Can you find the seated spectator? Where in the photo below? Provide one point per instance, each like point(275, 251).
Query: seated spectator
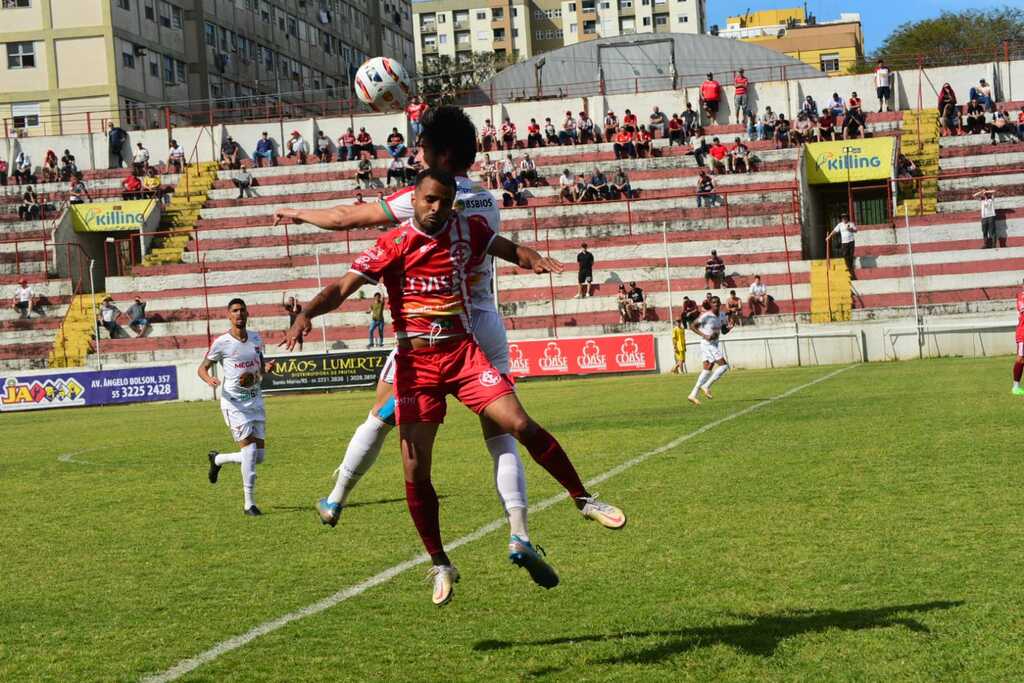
point(108, 315)
point(359, 198)
point(77, 189)
point(533, 136)
point(230, 154)
point(624, 144)
point(396, 171)
point(30, 206)
point(587, 129)
point(706, 190)
point(638, 301)
point(620, 185)
point(853, 124)
point(176, 157)
point(690, 311)
point(488, 136)
point(611, 125)
point(906, 168)
point(152, 188)
point(781, 131)
point(508, 166)
point(802, 130)
point(323, 147)
point(809, 108)
point(25, 299)
point(826, 126)
point(675, 131)
point(714, 271)
point(946, 96)
point(140, 160)
point(510, 193)
point(50, 170)
point(757, 299)
point(3, 172)
point(1020, 125)
point(579, 189)
point(528, 172)
point(413, 166)
point(568, 134)
point(983, 93)
point(364, 173)
point(739, 158)
point(950, 119)
point(837, 105)
point(657, 123)
point(974, 121)
point(718, 152)
point(691, 124)
point(629, 121)
point(626, 307)
point(347, 150)
point(131, 187)
point(566, 186)
point(68, 167)
point(396, 144)
point(1002, 126)
point(297, 147)
point(137, 317)
point(265, 151)
point(854, 105)
point(643, 142)
point(509, 134)
point(489, 173)
point(550, 134)
point(597, 186)
point(23, 169)
point(766, 127)
point(364, 144)
point(734, 308)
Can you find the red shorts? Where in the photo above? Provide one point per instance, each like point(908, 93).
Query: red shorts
point(424, 377)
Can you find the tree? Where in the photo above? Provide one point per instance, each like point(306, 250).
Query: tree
point(443, 77)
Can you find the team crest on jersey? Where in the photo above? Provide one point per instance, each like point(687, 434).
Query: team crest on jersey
point(518, 362)
point(630, 355)
point(553, 360)
point(489, 378)
point(591, 358)
point(461, 252)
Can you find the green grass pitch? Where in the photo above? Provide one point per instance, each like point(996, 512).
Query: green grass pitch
point(865, 528)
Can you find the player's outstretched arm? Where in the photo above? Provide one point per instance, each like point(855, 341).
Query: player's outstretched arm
point(328, 299)
point(343, 217)
point(524, 257)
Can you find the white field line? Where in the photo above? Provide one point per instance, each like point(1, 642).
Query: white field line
point(70, 457)
point(191, 664)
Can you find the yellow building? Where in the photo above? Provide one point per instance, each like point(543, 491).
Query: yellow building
point(834, 47)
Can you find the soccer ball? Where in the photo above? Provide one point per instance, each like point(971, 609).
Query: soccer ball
point(382, 84)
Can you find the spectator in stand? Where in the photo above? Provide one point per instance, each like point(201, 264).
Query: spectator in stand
point(292, 306)
point(734, 308)
point(624, 146)
point(323, 147)
point(757, 297)
point(629, 121)
point(620, 185)
point(243, 181)
point(718, 154)
point(68, 167)
point(297, 147)
point(585, 278)
point(76, 189)
point(347, 150)
point(766, 127)
point(739, 158)
point(679, 343)
point(611, 125)
point(508, 134)
point(364, 144)
point(3, 172)
point(706, 190)
point(906, 168)
point(396, 170)
point(533, 136)
point(176, 157)
point(781, 131)
point(580, 189)
point(414, 111)
point(528, 172)
point(116, 139)
point(587, 130)
point(643, 142)
point(690, 310)
point(30, 207)
point(847, 232)
point(802, 130)
point(488, 136)
point(230, 154)
point(714, 271)
point(566, 186)
point(883, 86)
point(23, 169)
point(364, 173)
point(597, 187)
point(699, 151)
point(413, 166)
point(510, 193)
point(854, 124)
point(675, 131)
point(825, 129)
point(50, 170)
point(741, 83)
point(1020, 124)
point(946, 96)
point(377, 319)
point(854, 105)
point(489, 173)
point(108, 315)
point(140, 160)
point(691, 125)
point(809, 108)
point(626, 307)
point(550, 134)
point(137, 317)
point(949, 116)
point(151, 187)
point(396, 144)
point(983, 93)
point(1002, 126)
point(988, 217)
point(25, 299)
point(658, 123)
point(710, 97)
point(974, 121)
point(265, 151)
point(508, 166)
point(638, 301)
point(568, 135)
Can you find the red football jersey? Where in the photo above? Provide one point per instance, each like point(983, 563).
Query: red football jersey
point(427, 276)
point(1020, 314)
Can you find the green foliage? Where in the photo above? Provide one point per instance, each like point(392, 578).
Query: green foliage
point(953, 38)
point(442, 78)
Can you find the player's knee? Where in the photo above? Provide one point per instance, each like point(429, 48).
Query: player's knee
point(522, 427)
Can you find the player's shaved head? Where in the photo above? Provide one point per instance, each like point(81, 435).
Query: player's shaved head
point(448, 139)
point(432, 199)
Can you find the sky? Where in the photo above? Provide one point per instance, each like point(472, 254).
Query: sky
point(878, 17)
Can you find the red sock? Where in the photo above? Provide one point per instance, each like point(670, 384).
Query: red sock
point(547, 453)
point(424, 507)
point(1018, 369)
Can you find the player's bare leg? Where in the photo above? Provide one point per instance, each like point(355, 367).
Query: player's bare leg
point(251, 453)
point(1018, 371)
point(508, 414)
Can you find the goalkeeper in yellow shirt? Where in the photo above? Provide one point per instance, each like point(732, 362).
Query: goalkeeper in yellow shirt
point(679, 345)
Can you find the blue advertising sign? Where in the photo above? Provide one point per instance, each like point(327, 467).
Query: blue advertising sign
point(65, 389)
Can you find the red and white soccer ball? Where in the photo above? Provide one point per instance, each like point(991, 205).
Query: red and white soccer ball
point(383, 84)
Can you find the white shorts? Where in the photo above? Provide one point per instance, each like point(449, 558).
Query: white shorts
point(489, 332)
point(243, 426)
point(387, 375)
point(710, 351)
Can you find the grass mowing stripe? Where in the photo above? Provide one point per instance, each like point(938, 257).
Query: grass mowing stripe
point(188, 665)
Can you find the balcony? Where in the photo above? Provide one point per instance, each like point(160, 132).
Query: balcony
point(428, 27)
point(430, 49)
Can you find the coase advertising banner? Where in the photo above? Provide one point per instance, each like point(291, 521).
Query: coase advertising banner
point(88, 388)
point(850, 160)
point(582, 355)
point(325, 371)
point(111, 216)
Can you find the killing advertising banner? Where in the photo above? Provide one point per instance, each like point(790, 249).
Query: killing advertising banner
point(582, 355)
point(88, 388)
point(850, 160)
point(325, 371)
point(111, 216)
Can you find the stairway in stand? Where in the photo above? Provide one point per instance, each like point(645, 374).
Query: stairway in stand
point(179, 217)
point(920, 144)
point(75, 335)
point(831, 297)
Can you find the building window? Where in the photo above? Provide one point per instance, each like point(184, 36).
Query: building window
point(515, 33)
point(441, 19)
point(660, 19)
point(830, 62)
point(572, 7)
point(211, 35)
point(625, 4)
point(645, 3)
point(21, 55)
point(125, 4)
point(482, 35)
point(442, 39)
point(25, 114)
point(497, 13)
point(168, 70)
point(589, 27)
point(14, 4)
point(499, 34)
point(515, 11)
point(627, 25)
point(573, 28)
point(481, 16)
point(128, 59)
point(154, 69)
point(179, 68)
point(148, 11)
point(682, 19)
point(606, 5)
point(647, 21)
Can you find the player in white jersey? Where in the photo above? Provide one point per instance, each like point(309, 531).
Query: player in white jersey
point(709, 326)
point(240, 354)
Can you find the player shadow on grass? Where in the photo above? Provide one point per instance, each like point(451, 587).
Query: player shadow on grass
point(307, 508)
point(759, 636)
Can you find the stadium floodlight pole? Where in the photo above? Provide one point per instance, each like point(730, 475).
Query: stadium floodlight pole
point(92, 291)
point(319, 286)
point(913, 283)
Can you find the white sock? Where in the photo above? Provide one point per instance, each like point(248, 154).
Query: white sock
point(701, 378)
point(517, 523)
point(225, 458)
point(362, 451)
point(1016, 385)
point(249, 474)
point(510, 481)
point(717, 374)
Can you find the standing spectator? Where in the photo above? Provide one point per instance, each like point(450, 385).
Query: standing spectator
point(297, 147)
point(23, 169)
point(714, 271)
point(50, 169)
point(847, 231)
point(974, 120)
point(620, 185)
point(675, 131)
point(988, 217)
point(611, 124)
point(30, 207)
point(690, 123)
point(741, 83)
point(629, 121)
point(323, 147)
point(76, 189)
point(699, 151)
point(837, 105)
point(489, 172)
point(24, 299)
point(766, 127)
point(396, 170)
point(364, 144)
point(739, 158)
point(643, 142)
point(3, 172)
point(658, 123)
point(377, 319)
point(488, 136)
point(533, 136)
point(639, 303)
point(528, 171)
point(568, 135)
point(396, 144)
point(883, 86)
point(265, 151)
point(550, 134)
point(983, 93)
point(718, 153)
point(229, 154)
point(140, 160)
point(510, 193)
point(347, 150)
point(710, 97)
point(757, 297)
point(176, 157)
point(597, 188)
point(624, 144)
point(131, 187)
point(364, 173)
point(108, 315)
point(734, 308)
point(567, 186)
point(243, 181)
point(116, 139)
point(585, 278)
point(292, 306)
point(679, 344)
point(137, 317)
point(414, 112)
point(587, 129)
point(826, 126)
point(68, 167)
point(508, 134)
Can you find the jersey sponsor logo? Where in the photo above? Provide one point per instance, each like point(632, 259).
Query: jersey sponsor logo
point(630, 355)
point(476, 203)
point(518, 362)
point(591, 358)
point(490, 378)
point(430, 284)
point(553, 359)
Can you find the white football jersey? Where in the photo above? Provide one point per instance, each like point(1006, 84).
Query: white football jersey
point(471, 199)
point(711, 324)
point(240, 384)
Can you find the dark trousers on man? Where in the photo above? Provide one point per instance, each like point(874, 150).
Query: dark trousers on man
point(988, 231)
point(848, 255)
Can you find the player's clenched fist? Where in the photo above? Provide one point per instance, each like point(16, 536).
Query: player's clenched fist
point(286, 216)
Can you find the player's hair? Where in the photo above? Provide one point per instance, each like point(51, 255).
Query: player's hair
point(443, 177)
point(234, 301)
point(449, 129)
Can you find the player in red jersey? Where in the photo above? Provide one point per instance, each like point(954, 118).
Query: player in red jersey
point(426, 264)
point(1018, 366)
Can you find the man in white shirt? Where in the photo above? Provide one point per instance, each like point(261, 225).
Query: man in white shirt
point(883, 86)
point(140, 160)
point(240, 353)
point(988, 217)
point(24, 299)
point(709, 326)
point(566, 186)
point(847, 231)
point(757, 296)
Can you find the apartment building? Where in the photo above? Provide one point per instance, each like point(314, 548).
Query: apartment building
point(120, 58)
